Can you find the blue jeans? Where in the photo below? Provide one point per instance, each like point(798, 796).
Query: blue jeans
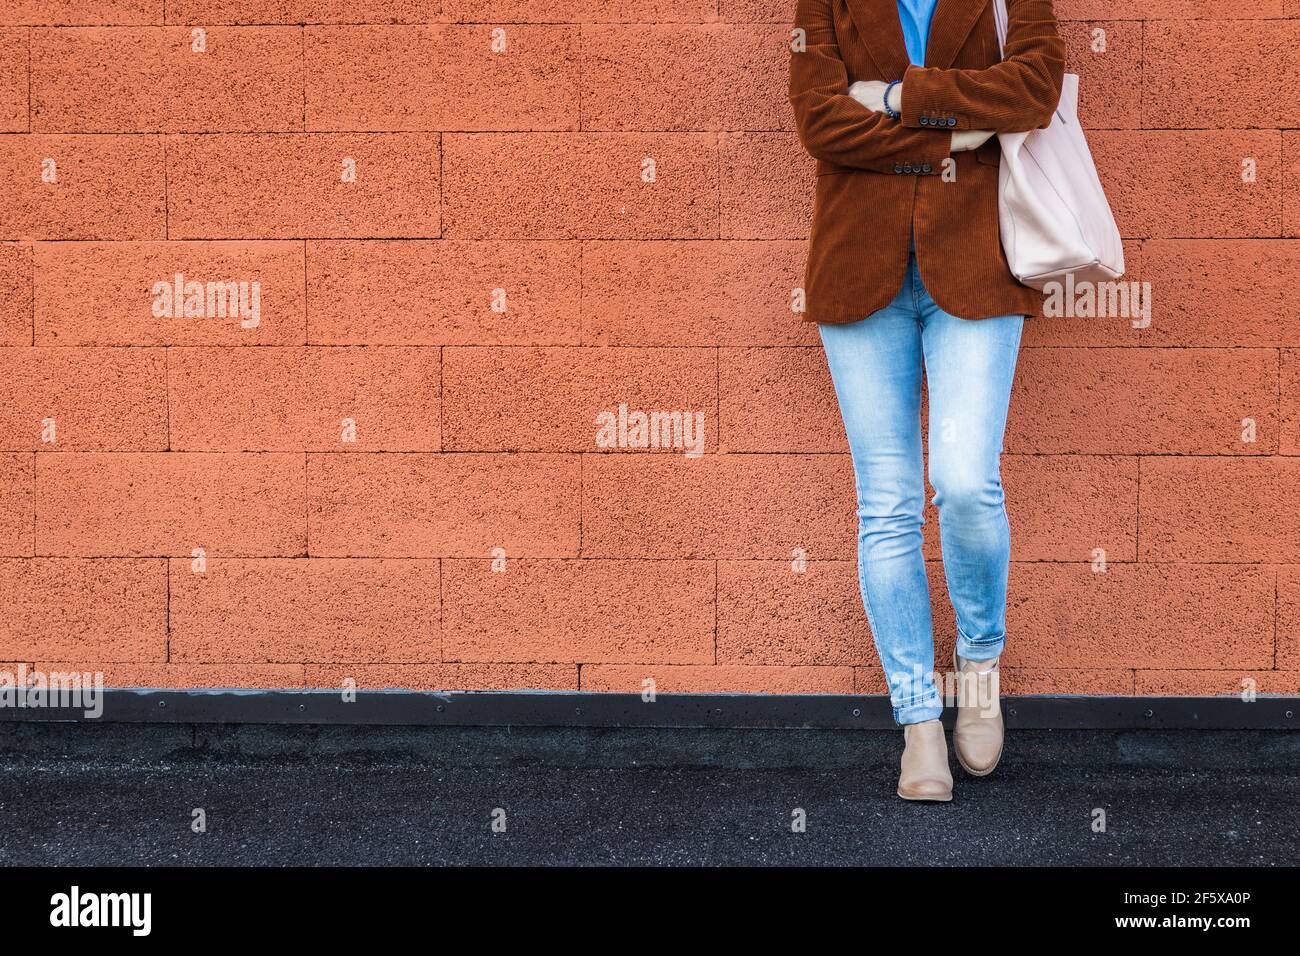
point(969, 364)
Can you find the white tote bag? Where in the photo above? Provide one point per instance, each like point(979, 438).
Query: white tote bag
point(1052, 211)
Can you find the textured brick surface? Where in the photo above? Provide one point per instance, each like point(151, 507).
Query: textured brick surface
point(112, 293)
point(1217, 509)
point(654, 77)
point(304, 399)
point(561, 208)
point(308, 610)
point(1149, 176)
point(766, 187)
point(169, 504)
point(443, 505)
point(153, 79)
point(722, 678)
point(15, 293)
point(83, 399)
point(1288, 617)
point(301, 11)
point(1153, 401)
point(722, 506)
point(82, 11)
point(17, 504)
point(446, 292)
point(546, 611)
point(549, 399)
point(186, 676)
point(84, 610)
point(442, 78)
point(296, 185)
point(581, 186)
point(1187, 59)
point(82, 187)
point(13, 81)
point(1107, 57)
point(444, 676)
point(693, 293)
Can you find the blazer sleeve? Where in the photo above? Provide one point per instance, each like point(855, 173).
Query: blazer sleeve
point(833, 126)
point(1014, 96)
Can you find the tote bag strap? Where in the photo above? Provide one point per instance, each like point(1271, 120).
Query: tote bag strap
point(1000, 18)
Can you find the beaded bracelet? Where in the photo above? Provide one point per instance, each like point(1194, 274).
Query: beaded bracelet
point(893, 114)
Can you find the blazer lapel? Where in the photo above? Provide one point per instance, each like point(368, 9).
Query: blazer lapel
point(952, 24)
point(878, 25)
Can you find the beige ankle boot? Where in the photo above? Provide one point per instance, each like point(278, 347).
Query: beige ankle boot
point(979, 732)
point(925, 774)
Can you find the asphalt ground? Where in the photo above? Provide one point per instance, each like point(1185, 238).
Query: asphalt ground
point(127, 795)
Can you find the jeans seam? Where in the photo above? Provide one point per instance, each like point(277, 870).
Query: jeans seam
point(920, 699)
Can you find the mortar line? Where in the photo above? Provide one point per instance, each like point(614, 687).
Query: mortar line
point(167, 199)
point(1137, 519)
point(31, 288)
point(1277, 573)
point(306, 306)
point(34, 500)
point(302, 52)
point(306, 504)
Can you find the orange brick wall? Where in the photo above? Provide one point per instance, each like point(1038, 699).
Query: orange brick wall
point(519, 173)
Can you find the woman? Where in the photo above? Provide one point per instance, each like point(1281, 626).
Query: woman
point(899, 101)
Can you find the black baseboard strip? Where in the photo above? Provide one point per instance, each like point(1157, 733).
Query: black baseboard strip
point(589, 709)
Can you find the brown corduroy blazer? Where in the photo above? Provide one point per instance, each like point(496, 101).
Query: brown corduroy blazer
point(881, 181)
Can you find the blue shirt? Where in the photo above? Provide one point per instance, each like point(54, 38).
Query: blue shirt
point(915, 16)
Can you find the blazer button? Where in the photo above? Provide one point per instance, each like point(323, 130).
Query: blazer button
point(925, 121)
point(897, 168)
point(952, 121)
point(925, 168)
point(907, 167)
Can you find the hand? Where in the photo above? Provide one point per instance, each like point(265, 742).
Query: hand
point(964, 140)
point(871, 94)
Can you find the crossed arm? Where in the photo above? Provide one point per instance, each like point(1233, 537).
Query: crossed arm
point(847, 125)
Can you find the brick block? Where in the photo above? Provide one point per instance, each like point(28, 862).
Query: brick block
point(124, 293)
point(442, 77)
point(699, 77)
point(304, 399)
point(1148, 177)
point(687, 292)
point(82, 187)
point(54, 399)
point(83, 610)
point(769, 613)
point(305, 610)
point(718, 506)
point(295, 185)
point(17, 504)
point(444, 292)
point(1220, 509)
point(421, 505)
point(168, 504)
point(655, 612)
point(576, 399)
point(153, 79)
point(582, 185)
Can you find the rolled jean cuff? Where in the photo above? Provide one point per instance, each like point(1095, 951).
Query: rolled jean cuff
point(969, 650)
point(919, 709)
